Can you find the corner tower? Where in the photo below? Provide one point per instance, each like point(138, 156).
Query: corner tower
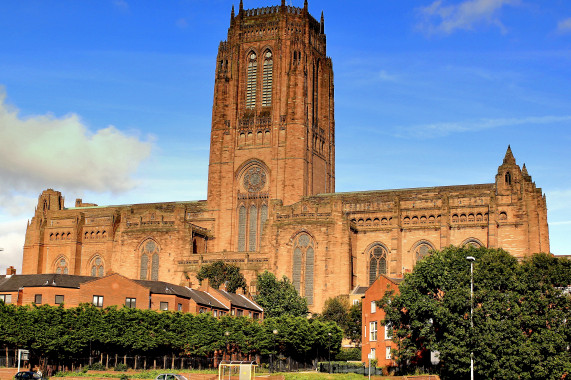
point(273, 128)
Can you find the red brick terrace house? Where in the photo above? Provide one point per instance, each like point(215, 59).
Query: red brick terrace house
point(376, 338)
point(115, 289)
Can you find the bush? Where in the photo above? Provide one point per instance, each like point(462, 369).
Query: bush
point(124, 376)
point(120, 367)
point(349, 354)
point(96, 367)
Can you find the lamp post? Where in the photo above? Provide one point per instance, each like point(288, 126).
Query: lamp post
point(329, 349)
point(471, 259)
point(227, 334)
point(274, 334)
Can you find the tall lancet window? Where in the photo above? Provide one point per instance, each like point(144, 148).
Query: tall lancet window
point(149, 249)
point(377, 262)
point(303, 266)
point(242, 229)
point(251, 80)
point(267, 77)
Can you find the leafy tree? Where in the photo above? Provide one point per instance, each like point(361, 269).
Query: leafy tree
point(279, 298)
point(347, 317)
point(336, 310)
point(219, 273)
point(354, 323)
point(520, 316)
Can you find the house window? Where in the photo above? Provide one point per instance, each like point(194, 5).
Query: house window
point(131, 303)
point(388, 331)
point(373, 353)
point(373, 331)
point(373, 307)
point(215, 313)
point(6, 298)
point(256, 316)
point(59, 300)
point(355, 302)
point(38, 299)
point(98, 301)
point(388, 353)
point(179, 307)
point(164, 306)
point(240, 312)
point(377, 262)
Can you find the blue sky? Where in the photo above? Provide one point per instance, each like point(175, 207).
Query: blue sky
point(110, 100)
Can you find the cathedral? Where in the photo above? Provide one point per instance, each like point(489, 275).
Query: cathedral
point(271, 201)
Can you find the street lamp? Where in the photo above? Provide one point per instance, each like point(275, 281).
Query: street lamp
point(471, 259)
point(275, 333)
point(329, 348)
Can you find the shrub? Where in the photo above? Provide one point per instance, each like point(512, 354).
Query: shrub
point(120, 367)
point(349, 354)
point(96, 367)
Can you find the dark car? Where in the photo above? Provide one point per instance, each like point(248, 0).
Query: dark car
point(170, 376)
point(27, 375)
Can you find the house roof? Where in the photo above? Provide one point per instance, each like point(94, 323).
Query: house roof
point(203, 298)
point(17, 281)
point(241, 301)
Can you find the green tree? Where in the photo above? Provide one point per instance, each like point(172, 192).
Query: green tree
point(354, 323)
point(279, 298)
point(520, 317)
point(219, 273)
point(348, 317)
point(336, 310)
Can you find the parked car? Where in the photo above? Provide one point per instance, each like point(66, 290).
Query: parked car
point(27, 375)
point(170, 376)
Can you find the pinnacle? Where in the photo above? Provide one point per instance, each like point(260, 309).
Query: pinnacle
point(524, 170)
point(509, 157)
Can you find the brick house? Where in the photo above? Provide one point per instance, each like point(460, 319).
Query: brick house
point(376, 338)
point(118, 290)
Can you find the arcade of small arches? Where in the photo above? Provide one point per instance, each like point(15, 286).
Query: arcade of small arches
point(60, 236)
point(95, 234)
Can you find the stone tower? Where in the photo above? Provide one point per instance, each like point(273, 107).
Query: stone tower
point(273, 126)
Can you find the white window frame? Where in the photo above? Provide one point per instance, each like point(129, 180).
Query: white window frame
point(388, 331)
point(373, 307)
point(373, 331)
point(388, 353)
point(98, 301)
point(373, 353)
point(7, 298)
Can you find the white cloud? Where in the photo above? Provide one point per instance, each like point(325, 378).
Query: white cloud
point(44, 151)
point(12, 241)
point(564, 26)
point(425, 131)
point(439, 18)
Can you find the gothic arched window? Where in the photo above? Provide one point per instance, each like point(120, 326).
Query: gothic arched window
point(149, 249)
point(97, 268)
point(242, 229)
point(303, 266)
point(253, 228)
point(61, 266)
point(251, 80)
point(508, 178)
point(422, 249)
point(377, 262)
point(267, 77)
